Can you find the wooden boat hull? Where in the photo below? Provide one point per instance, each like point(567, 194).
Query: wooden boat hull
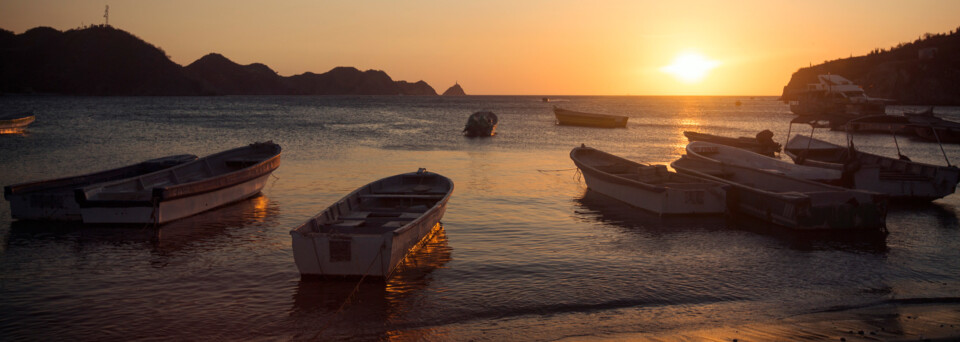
point(334, 244)
point(181, 191)
point(789, 202)
point(945, 135)
point(572, 118)
point(677, 195)
point(900, 179)
point(745, 143)
point(481, 124)
point(54, 199)
point(175, 209)
point(735, 156)
point(14, 123)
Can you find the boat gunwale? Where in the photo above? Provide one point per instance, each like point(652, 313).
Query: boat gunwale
point(190, 189)
point(583, 166)
point(356, 194)
point(91, 178)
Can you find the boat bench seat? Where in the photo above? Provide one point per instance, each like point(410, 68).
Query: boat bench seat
point(241, 162)
point(402, 196)
point(123, 196)
point(348, 224)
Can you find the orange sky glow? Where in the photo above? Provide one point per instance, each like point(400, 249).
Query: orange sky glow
point(516, 47)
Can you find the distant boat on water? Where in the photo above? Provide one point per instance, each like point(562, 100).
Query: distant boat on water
point(649, 187)
point(54, 199)
point(181, 191)
point(481, 124)
point(14, 122)
point(573, 118)
point(371, 230)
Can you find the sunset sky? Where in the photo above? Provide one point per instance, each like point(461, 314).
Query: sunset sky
point(518, 47)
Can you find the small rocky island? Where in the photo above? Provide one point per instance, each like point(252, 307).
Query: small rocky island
point(923, 72)
point(455, 90)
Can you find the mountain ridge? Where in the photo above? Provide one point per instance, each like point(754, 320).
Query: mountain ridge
point(102, 60)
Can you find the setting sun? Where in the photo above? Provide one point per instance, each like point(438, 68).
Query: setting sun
point(690, 67)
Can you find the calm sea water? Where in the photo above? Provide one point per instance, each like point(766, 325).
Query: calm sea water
point(527, 253)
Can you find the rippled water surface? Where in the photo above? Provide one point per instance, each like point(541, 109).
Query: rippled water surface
point(526, 252)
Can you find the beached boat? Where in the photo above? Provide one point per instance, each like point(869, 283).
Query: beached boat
point(11, 122)
point(790, 202)
point(649, 187)
point(762, 144)
point(899, 178)
point(371, 230)
point(54, 199)
point(930, 127)
point(572, 118)
point(183, 190)
point(735, 156)
point(481, 124)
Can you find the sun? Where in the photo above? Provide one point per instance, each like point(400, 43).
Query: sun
point(690, 67)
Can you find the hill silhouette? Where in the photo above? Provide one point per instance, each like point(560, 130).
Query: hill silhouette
point(103, 60)
point(923, 72)
point(454, 90)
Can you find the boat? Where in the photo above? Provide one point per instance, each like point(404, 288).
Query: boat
point(900, 178)
point(649, 187)
point(15, 122)
point(573, 118)
point(181, 191)
point(794, 203)
point(762, 144)
point(893, 124)
point(833, 96)
point(54, 199)
point(370, 231)
point(927, 126)
point(481, 124)
point(735, 156)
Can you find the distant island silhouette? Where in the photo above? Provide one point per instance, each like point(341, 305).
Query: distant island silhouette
point(102, 60)
point(923, 72)
point(455, 90)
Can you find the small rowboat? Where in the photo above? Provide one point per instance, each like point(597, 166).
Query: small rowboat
point(649, 187)
point(481, 124)
point(762, 144)
point(13, 122)
point(371, 230)
point(53, 199)
point(735, 156)
point(572, 118)
point(183, 190)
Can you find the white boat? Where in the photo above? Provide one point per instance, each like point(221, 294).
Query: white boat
point(744, 158)
point(833, 96)
point(899, 178)
point(649, 187)
point(790, 202)
point(54, 199)
point(371, 230)
point(183, 190)
point(573, 118)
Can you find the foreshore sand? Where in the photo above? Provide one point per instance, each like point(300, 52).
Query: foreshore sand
point(888, 322)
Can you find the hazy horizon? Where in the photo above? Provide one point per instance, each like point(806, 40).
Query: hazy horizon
point(620, 48)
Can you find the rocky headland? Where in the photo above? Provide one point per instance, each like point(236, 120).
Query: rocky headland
point(922, 72)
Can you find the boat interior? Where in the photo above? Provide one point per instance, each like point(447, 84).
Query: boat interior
point(383, 206)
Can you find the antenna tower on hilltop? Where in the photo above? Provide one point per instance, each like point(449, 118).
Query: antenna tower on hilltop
point(106, 15)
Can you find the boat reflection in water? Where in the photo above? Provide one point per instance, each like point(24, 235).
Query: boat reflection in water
point(328, 309)
point(595, 207)
point(171, 237)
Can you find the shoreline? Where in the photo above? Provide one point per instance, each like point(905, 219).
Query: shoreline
point(909, 320)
